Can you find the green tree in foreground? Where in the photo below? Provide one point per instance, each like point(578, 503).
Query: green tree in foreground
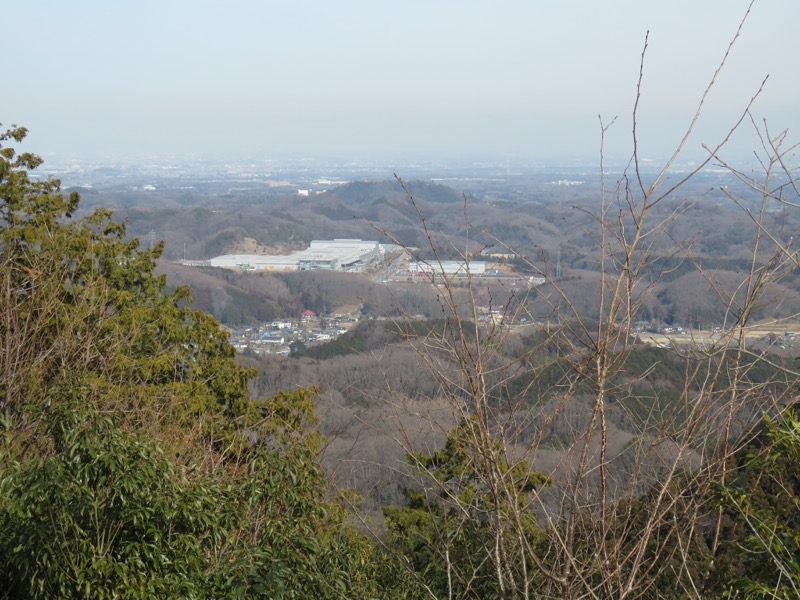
point(762, 550)
point(133, 463)
point(105, 514)
point(82, 309)
point(458, 535)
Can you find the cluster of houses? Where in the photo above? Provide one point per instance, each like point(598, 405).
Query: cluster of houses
point(789, 340)
point(277, 337)
point(660, 328)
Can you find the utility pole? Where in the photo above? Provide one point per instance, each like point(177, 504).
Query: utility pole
point(558, 264)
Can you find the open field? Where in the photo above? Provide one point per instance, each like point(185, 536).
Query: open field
point(788, 329)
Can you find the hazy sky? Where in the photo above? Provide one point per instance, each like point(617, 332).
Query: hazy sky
point(378, 79)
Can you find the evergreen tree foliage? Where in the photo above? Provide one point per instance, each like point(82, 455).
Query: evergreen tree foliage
point(448, 533)
point(762, 550)
point(133, 463)
point(82, 307)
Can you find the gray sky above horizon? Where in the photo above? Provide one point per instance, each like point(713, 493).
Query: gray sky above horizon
point(369, 79)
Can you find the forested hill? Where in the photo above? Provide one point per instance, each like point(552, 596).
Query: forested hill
point(360, 193)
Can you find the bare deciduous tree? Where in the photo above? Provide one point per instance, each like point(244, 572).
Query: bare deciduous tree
point(623, 508)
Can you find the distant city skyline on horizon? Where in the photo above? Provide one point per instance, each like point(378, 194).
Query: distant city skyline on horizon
point(363, 81)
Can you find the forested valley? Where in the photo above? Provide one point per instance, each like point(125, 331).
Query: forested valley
point(610, 413)
point(427, 452)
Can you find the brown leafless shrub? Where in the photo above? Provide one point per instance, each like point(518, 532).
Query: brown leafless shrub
point(627, 514)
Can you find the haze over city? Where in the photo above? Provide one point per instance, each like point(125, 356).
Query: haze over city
point(362, 80)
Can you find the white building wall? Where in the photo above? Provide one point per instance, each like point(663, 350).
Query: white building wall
point(448, 267)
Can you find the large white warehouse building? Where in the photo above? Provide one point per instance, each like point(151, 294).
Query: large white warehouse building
point(321, 254)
